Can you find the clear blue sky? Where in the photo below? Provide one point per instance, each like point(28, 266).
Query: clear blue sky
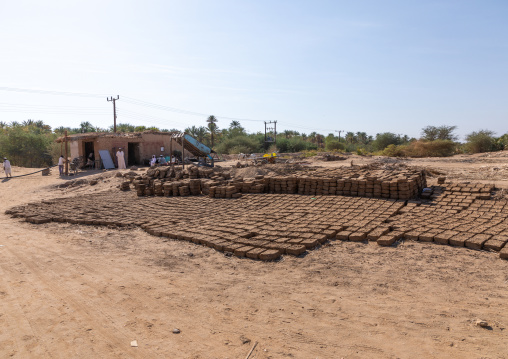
point(371, 66)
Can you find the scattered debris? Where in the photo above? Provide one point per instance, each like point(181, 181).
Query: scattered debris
point(252, 350)
point(482, 323)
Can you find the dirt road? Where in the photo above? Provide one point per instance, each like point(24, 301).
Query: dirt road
point(70, 291)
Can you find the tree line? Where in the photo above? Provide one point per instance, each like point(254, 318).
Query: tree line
point(32, 143)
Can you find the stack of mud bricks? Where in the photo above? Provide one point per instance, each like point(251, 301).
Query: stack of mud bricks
point(280, 184)
point(125, 186)
point(249, 185)
point(157, 188)
point(195, 187)
point(402, 185)
point(223, 192)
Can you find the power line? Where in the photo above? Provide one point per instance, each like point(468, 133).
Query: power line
point(47, 92)
point(142, 103)
point(178, 110)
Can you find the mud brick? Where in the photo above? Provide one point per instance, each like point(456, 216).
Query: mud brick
point(321, 238)
point(477, 241)
point(310, 243)
point(282, 240)
point(330, 233)
point(344, 235)
point(240, 252)
point(254, 253)
point(295, 240)
point(444, 237)
point(459, 240)
point(155, 232)
point(387, 239)
point(427, 236)
point(269, 255)
point(376, 233)
point(295, 249)
point(358, 236)
point(494, 244)
point(219, 244)
point(230, 247)
point(412, 235)
point(503, 254)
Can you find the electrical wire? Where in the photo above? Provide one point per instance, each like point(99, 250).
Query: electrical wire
point(177, 110)
point(126, 99)
point(47, 92)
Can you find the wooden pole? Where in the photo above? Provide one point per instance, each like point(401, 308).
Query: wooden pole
point(171, 158)
point(66, 156)
point(183, 151)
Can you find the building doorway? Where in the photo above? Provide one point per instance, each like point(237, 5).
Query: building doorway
point(89, 149)
point(133, 156)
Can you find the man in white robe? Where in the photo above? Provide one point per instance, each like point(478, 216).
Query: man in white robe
point(7, 167)
point(121, 159)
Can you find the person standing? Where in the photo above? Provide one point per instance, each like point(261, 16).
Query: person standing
point(121, 159)
point(61, 165)
point(7, 167)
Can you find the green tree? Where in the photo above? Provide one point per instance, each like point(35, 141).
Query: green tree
point(385, 139)
point(480, 141)
point(432, 133)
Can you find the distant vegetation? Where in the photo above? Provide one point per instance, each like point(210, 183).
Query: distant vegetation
point(31, 143)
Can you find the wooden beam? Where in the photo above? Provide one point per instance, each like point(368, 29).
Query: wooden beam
point(66, 156)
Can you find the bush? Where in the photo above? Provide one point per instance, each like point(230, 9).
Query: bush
point(240, 144)
point(332, 145)
point(294, 144)
point(394, 151)
point(437, 148)
point(481, 141)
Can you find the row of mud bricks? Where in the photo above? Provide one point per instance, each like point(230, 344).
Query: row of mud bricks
point(384, 236)
point(404, 188)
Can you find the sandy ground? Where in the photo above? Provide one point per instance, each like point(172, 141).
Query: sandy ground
point(69, 291)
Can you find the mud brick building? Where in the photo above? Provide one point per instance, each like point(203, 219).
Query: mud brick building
point(137, 146)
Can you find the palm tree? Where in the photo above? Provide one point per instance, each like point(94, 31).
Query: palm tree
point(212, 127)
point(361, 137)
point(192, 131)
point(312, 137)
point(234, 124)
point(319, 139)
point(61, 130)
point(350, 136)
point(201, 133)
point(85, 127)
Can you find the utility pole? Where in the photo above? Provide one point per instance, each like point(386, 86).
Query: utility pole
point(111, 99)
point(269, 129)
point(340, 131)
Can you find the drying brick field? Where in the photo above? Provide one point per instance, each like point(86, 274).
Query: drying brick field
point(327, 261)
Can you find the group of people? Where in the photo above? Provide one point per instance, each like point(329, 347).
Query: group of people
point(120, 156)
point(7, 167)
point(161, 160)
